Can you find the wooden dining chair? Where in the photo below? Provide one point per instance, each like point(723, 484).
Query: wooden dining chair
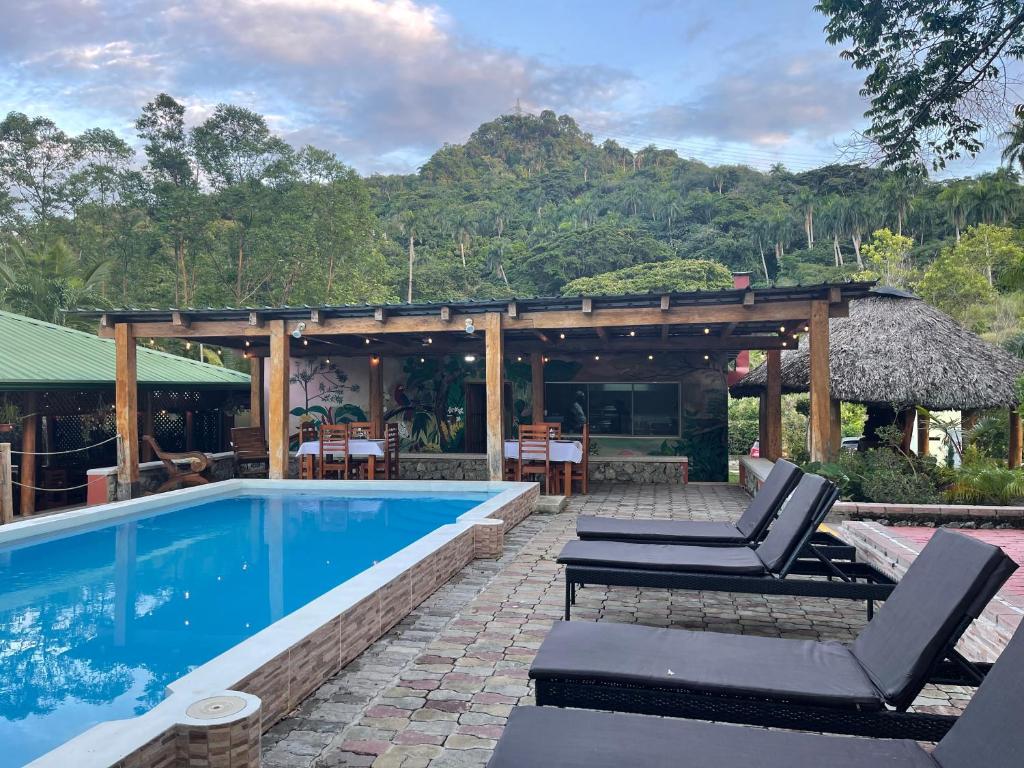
point(362, 430)
point(252, 457)
point(309, 431)
point(535, 455)
point(387, 469)
point(334, 444)
point(581, 471)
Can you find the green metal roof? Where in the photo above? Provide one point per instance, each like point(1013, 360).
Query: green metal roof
point(36, 355)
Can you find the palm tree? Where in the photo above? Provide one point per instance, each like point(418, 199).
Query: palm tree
point(1013, 152)
point(953, 200)
point(46, 282)
point(805, 200)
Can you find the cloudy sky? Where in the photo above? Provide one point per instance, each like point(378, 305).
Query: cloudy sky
point(385, 82)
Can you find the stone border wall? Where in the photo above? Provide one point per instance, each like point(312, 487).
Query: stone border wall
point(754, 471)
point(102, 482)
point(663, 470)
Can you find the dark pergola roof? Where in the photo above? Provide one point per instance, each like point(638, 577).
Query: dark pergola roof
point(694, 319)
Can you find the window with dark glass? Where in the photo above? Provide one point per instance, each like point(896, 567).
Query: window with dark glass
point(614, 408)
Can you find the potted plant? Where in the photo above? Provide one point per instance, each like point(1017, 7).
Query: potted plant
point(9, 415)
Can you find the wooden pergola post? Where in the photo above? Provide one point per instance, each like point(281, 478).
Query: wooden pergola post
point(923, 433)
point(376, 383)
point(537, 386)
point(126, 392)
point(821, 398)
point(836, 425)
point(278, 406)
point(6, 487)
point(772, 448)
point(255, 391)
point(1015, 439)
point(494, 377)
point(29, 432)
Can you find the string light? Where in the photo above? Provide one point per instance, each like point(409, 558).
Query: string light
point(784, 344)
point(632, 333)
point(782, 329)
point(470, 358)
point(248, 343)
point(152, 342)
point(305, 342)
point(806, 328)
point(327, 360)
point(366, 341)
point(423, 359)
point(519, 358)
point(650, 357)
point(188, 345)
point(561, 335)
point(429, 340)
point(597, 357)
point(707, 357)
point(707, 331)
point(546, 359)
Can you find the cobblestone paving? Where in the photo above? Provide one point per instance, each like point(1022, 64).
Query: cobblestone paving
point(436, 690)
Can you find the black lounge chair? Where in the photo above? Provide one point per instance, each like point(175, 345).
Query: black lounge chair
point(786, 550)
point(820, 686)
point(747, 530)
point(987, 735)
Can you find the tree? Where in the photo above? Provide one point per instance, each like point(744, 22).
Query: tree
point(44, 282)
point(991, 251)
point(936, 71)
point(954, 286)
point(663, 277)
point(887, 254)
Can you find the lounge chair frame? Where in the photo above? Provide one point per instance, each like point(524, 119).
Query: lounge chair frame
point(814, 556)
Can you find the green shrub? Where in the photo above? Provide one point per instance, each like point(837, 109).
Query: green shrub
point(987, 484)
point(885, 476)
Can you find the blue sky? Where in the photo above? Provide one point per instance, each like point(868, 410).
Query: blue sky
point(385, 82)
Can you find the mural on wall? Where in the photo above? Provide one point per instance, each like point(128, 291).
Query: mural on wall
point(429, 403)
point(322, 387)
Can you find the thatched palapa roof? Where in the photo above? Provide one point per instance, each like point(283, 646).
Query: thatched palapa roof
point(896, 349)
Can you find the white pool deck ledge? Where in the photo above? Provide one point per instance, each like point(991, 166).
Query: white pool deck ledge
point(215, 715)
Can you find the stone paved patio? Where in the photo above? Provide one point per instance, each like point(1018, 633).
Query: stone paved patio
point(436, 690)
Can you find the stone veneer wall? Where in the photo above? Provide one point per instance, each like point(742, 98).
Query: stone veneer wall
point(289, 678)
point(468, 466)
point(103, 481)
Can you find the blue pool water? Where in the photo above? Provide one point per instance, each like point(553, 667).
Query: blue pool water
point(93, 626)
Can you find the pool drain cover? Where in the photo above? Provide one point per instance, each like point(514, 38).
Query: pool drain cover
point(216, 707)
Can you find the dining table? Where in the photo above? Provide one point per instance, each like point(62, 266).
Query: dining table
point(358, 448)
point(564, 452)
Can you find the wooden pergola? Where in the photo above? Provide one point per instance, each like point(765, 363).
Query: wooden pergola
point(717, 323)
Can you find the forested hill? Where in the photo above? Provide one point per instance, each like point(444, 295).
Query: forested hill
point(227, 213)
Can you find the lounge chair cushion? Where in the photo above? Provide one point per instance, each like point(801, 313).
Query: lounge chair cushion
point(735, 561)
point(801, 671)
point(576, 738)
point(804, 508)
point(989, 731)
point(767, 501)
point(951, 581)
point(651, 530)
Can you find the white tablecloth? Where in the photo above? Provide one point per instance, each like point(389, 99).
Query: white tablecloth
point(561, 450)
point(355, 448)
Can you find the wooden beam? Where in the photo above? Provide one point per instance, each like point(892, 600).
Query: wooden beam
point(748, 299)
point(587, 305)
point(256, 320)
point(446, 314)
point(6, 485)
point(126, 394)
point(537, 386)
point(672, 344)
point(835, 294)
point(180, 319)
point(666, 302)
point(376, 385)
point(255, 391)
point(772, 447)
point(278, 406)
point(379, 314)
point(820, 421)
point(1014, 459)
point(495, 383)
point(29, 433)
point(316, 316)
point(513, 310)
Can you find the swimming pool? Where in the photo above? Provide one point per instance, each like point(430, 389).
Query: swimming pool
point(97, 621)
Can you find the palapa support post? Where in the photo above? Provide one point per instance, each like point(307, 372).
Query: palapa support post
point(836, 425)
point(494, 375)
point(126, 391)
point(762, 422)
point(277, 408)
point(1015, 439)
point(147, 426)
point(772, 447)
point(6, 485)
point(537, 386)
point(923, 433)
point(821, 417)
point(255, 391)
point(376, 383)
point(29, 434)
